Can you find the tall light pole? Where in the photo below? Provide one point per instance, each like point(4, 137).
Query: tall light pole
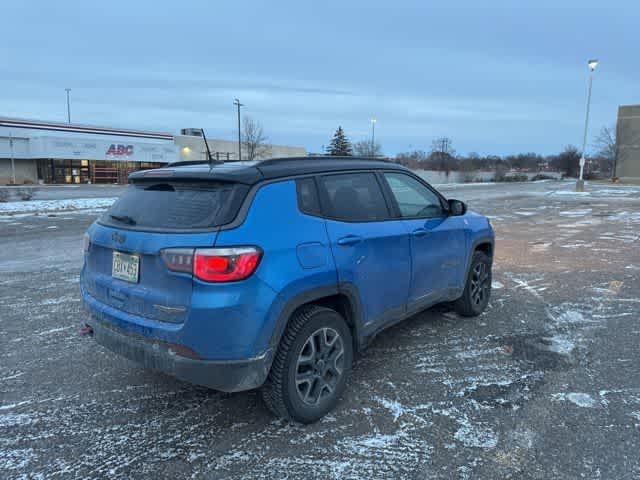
point(68, 106)
point(237, 103)
point(13, 163)
point(580, 183)
point(373, 136)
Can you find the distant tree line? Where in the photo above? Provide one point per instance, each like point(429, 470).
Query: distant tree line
point(442, 157)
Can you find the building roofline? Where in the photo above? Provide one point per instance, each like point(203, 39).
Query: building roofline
point(81, 128)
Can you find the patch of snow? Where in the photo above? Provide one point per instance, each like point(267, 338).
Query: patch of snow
point(9, 406)
point(576, 213)
point(583, 400)
point(571, 192)
point(560, 344)
point(393, 406)
point(625, 216)
point(53, 330)
point(496, 285)
point(43, 206)
point(376, 441)
point(59, 300)
point(474, 352)
point(476, 436)
point(570, 316)
point(468, 184)
point(525, 285)
point(540, 247)
point(13, 419)
point(16, 459)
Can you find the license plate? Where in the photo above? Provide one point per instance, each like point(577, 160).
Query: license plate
point(125, 267)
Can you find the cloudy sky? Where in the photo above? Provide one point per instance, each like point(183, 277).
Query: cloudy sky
point(496, 77)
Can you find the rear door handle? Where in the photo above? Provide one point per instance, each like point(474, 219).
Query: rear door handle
point(419, 232)
point(349, 240)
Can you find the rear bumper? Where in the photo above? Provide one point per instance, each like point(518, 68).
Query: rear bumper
point(223, 375)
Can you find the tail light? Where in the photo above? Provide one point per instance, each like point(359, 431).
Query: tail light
point(226, 264)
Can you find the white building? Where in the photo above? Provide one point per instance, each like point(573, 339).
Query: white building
point(192, 147)
point(33, 151)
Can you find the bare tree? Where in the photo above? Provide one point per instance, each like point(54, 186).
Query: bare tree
point(605, 143)
point(415, 159)
point(443, 154)
point(364, 148)
point(254, 141)
point(606, 147)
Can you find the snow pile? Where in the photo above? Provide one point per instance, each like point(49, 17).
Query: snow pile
point(45, 206)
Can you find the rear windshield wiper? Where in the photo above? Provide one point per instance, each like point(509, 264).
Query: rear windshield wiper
point(123, 219)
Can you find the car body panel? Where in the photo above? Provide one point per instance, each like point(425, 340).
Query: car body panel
point(378, 264)
point(159, 293)
point(275, 224)
point(435, 258)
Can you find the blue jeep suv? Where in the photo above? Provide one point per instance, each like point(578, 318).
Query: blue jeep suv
point(274, 274)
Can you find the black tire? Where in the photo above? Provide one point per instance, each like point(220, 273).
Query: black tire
point(477, 289)
point(301, 368)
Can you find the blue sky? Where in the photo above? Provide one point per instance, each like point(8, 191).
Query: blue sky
point(496, 77)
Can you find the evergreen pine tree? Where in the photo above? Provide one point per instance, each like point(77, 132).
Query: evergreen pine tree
point(340, 145)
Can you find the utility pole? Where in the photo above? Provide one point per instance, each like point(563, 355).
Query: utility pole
point(13, 164)
point(373, 137)
point(68, 106)
point(237, 103)
point(580, 183)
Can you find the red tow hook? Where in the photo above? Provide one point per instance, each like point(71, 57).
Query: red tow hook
point(86, 331)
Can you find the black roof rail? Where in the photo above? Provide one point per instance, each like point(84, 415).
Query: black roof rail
point(273, 161)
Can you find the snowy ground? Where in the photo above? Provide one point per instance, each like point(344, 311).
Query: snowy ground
point(545, 384)
point(85, 205)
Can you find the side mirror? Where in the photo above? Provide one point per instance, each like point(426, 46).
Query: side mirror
point(456, 207)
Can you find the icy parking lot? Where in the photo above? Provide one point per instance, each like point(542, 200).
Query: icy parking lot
point(545, 384)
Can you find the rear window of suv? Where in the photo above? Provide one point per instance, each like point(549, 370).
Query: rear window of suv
point(176, 205)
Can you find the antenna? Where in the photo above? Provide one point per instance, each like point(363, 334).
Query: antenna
point(206, 144)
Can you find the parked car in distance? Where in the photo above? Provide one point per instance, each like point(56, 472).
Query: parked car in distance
point(274, 274)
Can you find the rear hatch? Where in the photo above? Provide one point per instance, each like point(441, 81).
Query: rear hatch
point(126, 261)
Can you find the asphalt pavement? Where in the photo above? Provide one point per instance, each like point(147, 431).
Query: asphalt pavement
point(545, 384)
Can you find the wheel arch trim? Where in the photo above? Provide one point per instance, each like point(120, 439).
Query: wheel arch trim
point(317, 294)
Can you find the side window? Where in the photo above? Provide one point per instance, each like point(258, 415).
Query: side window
point(354, 197)
point(308, 201)
point(413, 198)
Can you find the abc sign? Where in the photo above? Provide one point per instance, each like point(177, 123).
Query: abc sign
point(120, 150)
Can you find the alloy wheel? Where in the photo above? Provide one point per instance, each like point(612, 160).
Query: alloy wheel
point(320, 365)
point(479, 283)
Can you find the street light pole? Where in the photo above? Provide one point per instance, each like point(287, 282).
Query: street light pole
point(580, 183)
point(13, 163)
point(373, 137)
point(237, 103)
point(68, 106)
